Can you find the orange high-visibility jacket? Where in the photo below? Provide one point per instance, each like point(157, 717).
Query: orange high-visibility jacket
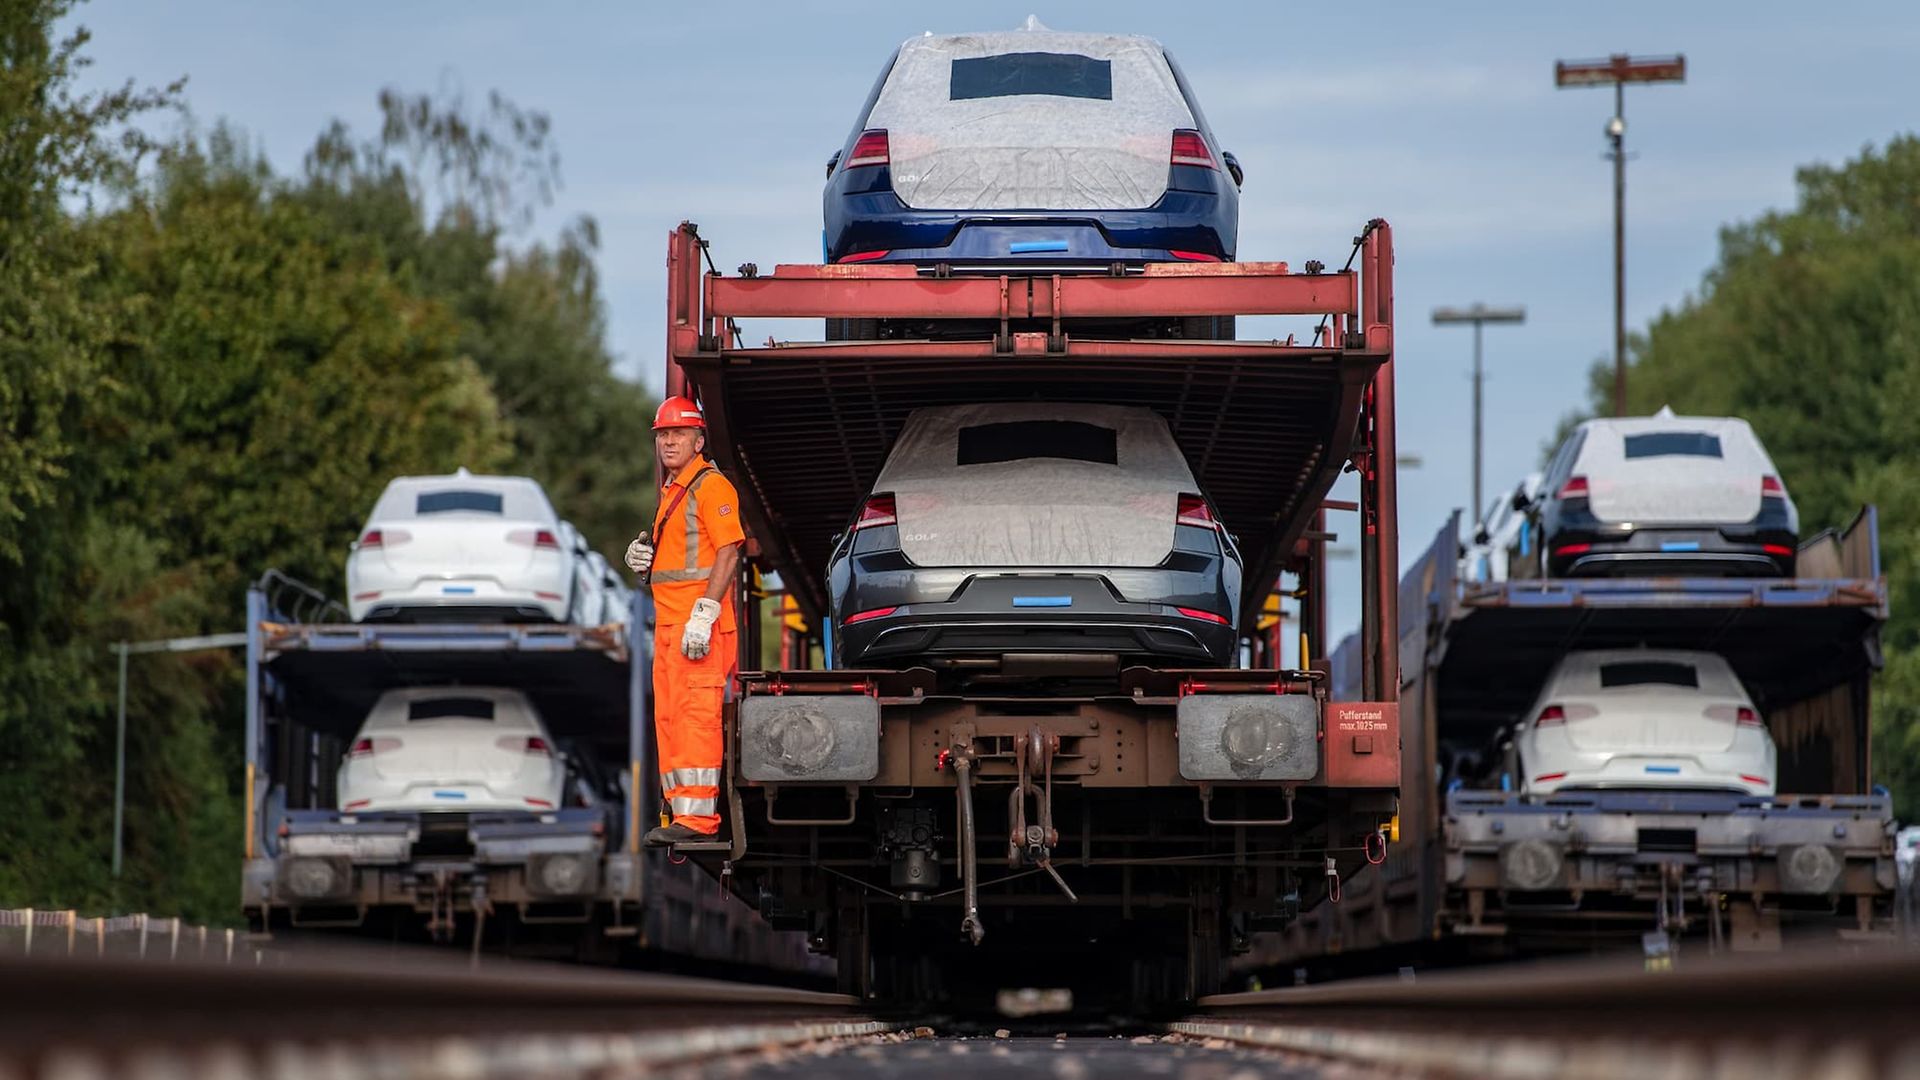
point(684, 549)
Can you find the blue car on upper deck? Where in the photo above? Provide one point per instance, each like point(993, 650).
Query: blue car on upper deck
point(1031, 148)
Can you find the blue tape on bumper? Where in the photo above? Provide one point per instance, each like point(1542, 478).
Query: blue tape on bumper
point(1027, 247)
point(1043, 601)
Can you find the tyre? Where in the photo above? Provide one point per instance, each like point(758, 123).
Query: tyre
point(853, 329)
point(1207, 328)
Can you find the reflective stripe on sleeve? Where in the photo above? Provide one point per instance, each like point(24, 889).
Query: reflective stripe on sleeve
point(683, 807)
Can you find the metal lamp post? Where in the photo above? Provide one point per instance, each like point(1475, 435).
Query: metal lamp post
point(1479, 315)
point(1617, 71)
point(125, 649)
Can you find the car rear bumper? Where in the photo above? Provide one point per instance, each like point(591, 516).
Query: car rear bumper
point(457, 600)
point(913, 634)
point(1671, 551)
point(1650, 771)
point(1186, 221)
point(935, 613)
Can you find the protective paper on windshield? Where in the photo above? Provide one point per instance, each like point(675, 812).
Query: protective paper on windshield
point(1110, 500)
point(1030, 121)
point(1676, 488)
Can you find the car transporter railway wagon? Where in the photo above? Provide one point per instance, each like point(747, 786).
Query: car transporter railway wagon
point(1056, 817)
point(1486, 869)
point(332, 844)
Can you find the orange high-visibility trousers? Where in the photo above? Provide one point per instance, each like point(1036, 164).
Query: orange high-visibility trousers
point(687, 695)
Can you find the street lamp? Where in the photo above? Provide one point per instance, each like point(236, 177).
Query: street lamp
point(137, 648)
point(1617, 71)
point(1479, 315)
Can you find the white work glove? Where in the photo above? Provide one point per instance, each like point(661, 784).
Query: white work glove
point(698, 637)
point(640, 555)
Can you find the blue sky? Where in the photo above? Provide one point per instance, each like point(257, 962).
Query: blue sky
point(1442, 118)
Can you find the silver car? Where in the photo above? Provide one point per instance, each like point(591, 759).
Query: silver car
point(1644, 718)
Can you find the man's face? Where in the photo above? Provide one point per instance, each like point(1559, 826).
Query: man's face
point(676, 446)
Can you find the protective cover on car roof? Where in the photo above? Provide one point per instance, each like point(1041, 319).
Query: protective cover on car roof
point(1030, 120)
point(514, 498)
point(1667, 469)
point(1036, 484)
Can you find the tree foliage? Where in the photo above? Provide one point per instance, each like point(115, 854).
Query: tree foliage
point(207, 369)
point(1808, 325)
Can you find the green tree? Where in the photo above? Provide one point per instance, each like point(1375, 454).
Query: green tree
point(207, 370)
point(1809, 326)
point(437, 195)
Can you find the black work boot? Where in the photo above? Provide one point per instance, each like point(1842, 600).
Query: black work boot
point(676, 833)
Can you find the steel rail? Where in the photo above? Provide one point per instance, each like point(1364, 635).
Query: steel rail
point(1827, 1014)
point(387, 1016)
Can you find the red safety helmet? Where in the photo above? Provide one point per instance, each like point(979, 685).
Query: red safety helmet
point(676, 412)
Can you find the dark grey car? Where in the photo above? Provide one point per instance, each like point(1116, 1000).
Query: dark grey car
point(1018, 535)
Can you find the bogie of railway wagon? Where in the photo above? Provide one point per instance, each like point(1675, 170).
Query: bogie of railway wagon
point(1049, 828)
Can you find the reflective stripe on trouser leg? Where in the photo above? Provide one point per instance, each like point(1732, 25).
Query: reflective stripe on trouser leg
point(688, 777)
point(687, 700)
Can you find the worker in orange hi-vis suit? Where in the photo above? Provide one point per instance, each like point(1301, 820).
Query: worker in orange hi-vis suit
point(691, 559)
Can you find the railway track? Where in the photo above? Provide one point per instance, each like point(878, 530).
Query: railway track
point(1833, 1016)
point(375, 1015)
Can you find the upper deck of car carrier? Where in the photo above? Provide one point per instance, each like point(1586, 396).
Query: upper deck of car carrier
point(1266, 426)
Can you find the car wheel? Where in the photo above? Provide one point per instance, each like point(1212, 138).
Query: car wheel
point(1207, 328)
point(853, 329)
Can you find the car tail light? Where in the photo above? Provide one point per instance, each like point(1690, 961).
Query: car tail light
point(539, 804)
point(878, 511)
point(866, 256)
point(869, 149)
point(876, 613)
point(353, 804)
point(524, 744)
point(1771, 485)
point(1739, 714)
point(1193, 510)
point(385, 537)
point(369, 747)
point(1752, 779)
point(1190, 148)
point(1572, 549)
point(374, 595)
point(1194, 256)
point(534, 538)
point(1546, 776)
point(1552, 714)
point(1574, 488)
point(1781, 550)
point(1196, 613)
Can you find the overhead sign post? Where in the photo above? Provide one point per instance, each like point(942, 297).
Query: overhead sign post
point(1617, 71)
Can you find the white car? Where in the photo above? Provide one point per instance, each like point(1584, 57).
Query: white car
point(1660, 495)
point(452, 749)
point(1498, 532)
point(1644, 718)
point(1906, 851)
point(466, 548)
point(616, 600)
